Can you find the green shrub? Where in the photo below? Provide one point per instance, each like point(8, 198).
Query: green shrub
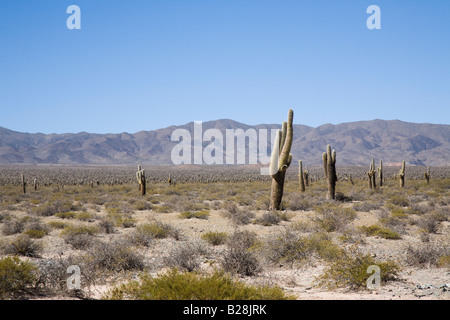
point(162, 209)
point(383, 232)
point(65, 215)
point(351, 272)
point(15, 276)
point(121, 219)
point(215, 238)
point(399, 200)
point(444, 261)
point(57, 224)
point(35, 234)
point(142, 205)
point(35, 228)
point(204, 214)
point(85, 216)
point(158, 230)
point(79, 229)
point(79, 236)
point(289, 247)
point(175, 285)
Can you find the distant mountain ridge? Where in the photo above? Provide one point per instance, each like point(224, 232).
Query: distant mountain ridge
point(356, 143)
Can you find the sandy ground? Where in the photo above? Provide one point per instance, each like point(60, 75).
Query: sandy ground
point(413, 283)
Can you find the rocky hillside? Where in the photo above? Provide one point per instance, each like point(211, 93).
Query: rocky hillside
point(356, 143)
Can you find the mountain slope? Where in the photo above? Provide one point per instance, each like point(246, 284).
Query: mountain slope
point(356, 143)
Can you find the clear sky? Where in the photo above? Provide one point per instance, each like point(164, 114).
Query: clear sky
point(147, 64)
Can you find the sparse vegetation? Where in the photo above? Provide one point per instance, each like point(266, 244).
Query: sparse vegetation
point(16, 276)
point(350, 271)
point(175, 285)
point(219, 219)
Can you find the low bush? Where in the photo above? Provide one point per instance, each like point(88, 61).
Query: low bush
point(65, 215)
point(186, 256)
point(334, 218)
point(22, 245)
point(13, 226)
point(383, 232)
point(289, 247)
point(399, 200)
point(79, 236)
point(157, 230)
point(175, 285)
point(115, 256)
point(203, 214)
point(236, 215)
point(240, 255)
point(351, 272)
point(269, 218)
point(16, 277)
point(428, 255)
point(215, 238)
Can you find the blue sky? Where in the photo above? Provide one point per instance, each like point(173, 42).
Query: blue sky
point(146, 64)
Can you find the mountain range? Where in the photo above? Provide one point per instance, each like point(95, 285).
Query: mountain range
point(356, 143)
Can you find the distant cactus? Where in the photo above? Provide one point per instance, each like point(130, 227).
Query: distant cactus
point(301, 177)
point(280, 160)
point(35, 184)
point(427, 175)
point(24, 183)
point(140, 175)
point(306, 177)
point(372, 175)
point(329, 165)
point(380, 173)
point(169, 180)
point(401, 175)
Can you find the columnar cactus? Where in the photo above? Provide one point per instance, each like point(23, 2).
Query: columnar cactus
point(280, 160)
point(35, 184)
point(24, 183)
point(329, 165)
point(427, 175)
point(306, 177)
point(401, 175)
point(301, 179)
point(140, 175)
point(380, 173)
point(371, 175)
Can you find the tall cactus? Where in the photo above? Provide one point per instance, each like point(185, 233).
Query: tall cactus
point(280, 160)
point(401, 175)
point(380, 173)
point(372, 175)
point(427, 175)
point(306, 177)
point(35, 184)
point(329, 165)
point(24, 183)
point(301, 179)
point(140, 175)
